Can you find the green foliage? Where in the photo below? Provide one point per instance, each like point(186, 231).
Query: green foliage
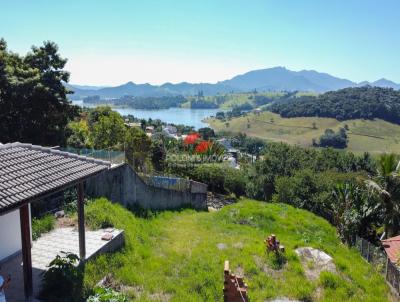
point(284, 160)
point(158, 155)
point(136, 102)
point(102, 294)
point(250, 145)
point(206, 133)
point(42, 225)
point(78, 134)
point(345, 104)
point(33, 99)
point(220, 178)
point(96, 219)
point(386, 186)
point(354, 210)
point(63, 280)
point(336, 140)
point(182, 248)
point(107, 129)
point(137, 148)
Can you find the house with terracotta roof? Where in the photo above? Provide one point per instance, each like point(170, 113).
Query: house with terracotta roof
point(392, 248)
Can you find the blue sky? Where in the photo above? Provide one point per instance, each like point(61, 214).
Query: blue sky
point(112, 42)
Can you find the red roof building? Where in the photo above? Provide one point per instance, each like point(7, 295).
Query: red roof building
point(392, 248)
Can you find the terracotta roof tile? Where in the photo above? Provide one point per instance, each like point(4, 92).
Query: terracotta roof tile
point(29, 171)
point(392, 248)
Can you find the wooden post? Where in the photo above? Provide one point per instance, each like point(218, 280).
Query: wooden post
point(26, 250)
point(81, 222)
point(368, 250)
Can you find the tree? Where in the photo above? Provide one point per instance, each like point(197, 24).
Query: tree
point(78, 134)
point(33, 99)
point(137, 148)
point(206, 133)
point(158, 155)
point(352, 210)
point(386, 186)
point(107, 128)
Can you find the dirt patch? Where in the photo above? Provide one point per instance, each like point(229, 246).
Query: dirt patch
point(217, 201)
point(65, 222)
point(315, 261)
point(270, 272)
point(239, 271)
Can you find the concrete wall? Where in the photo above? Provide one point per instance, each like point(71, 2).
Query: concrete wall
point(10, 234)
point(122, 184)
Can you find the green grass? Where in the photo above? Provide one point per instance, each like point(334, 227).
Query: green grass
point(375, 136)
point(42, 225)
point(180, 255)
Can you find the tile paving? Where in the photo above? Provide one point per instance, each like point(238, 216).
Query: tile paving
point(45, 249)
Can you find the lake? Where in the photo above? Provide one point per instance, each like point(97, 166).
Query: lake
point(185, 116)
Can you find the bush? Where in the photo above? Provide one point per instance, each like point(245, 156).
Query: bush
point(106, 295)
point(42, 225)
point(221, 178)
point(62, 281)
point(334, 139)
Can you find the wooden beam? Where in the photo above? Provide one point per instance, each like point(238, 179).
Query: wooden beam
point(26, 250)
point(81, 221)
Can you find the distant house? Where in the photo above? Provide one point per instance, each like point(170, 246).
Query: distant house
point(150, 129)
point(392, 248)
point(170, 131)
point(226, 143)
point(133, 125)
point(257, 111)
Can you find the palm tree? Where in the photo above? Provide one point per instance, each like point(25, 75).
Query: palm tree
point(387, 187)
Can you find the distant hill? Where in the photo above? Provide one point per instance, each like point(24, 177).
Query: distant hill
point(270, 79)
point(345, 104)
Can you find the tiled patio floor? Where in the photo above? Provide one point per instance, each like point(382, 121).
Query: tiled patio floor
point(46, 248)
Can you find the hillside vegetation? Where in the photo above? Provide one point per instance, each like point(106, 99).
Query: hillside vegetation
point(345, 104)
point(374, 136)
point(179, 256)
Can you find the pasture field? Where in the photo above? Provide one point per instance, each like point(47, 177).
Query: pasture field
point(374, 136)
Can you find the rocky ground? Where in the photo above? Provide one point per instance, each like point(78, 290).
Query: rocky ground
point(217, 201)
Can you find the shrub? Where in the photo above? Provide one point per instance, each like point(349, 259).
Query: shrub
point(106, 295)
point(334, 139)
point(221, 178)
point(42, 225)
point(63, 280)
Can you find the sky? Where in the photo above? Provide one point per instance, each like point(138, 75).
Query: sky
point(113, 42)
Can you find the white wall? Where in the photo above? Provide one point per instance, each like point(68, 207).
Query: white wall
point(10, 234)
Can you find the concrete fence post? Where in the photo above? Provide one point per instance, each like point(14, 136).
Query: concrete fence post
point(387, 268)
point(362, 247)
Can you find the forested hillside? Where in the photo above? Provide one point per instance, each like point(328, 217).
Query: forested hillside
point(345, 104)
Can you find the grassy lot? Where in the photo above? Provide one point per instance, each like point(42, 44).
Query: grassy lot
point(179, 256)
point(373, 136)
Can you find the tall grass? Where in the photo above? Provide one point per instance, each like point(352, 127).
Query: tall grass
point(179, 255)
point(42, 225)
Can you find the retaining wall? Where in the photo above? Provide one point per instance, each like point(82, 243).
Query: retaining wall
point(122, 184)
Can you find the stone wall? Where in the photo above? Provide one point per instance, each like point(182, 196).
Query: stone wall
point(122, 184)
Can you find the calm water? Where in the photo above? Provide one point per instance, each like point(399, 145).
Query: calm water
point(185, 116)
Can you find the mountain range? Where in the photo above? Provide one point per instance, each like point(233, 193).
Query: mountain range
point(270, 79)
